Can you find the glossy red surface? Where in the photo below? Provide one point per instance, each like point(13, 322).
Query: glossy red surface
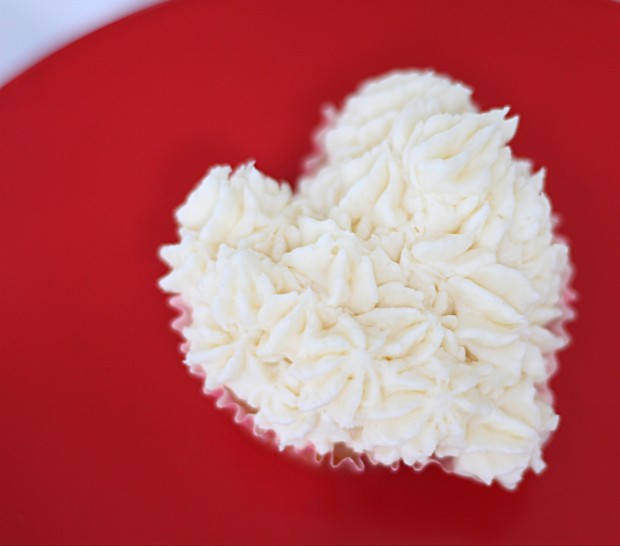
point(105, 437)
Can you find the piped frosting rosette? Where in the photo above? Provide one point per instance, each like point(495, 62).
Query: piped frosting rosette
point(404, 306)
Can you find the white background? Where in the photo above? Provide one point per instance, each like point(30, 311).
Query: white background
point(31, 29)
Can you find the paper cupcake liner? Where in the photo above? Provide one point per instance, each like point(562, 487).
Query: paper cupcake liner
point(567, 315)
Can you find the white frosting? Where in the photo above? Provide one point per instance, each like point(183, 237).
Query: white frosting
point(402, 303)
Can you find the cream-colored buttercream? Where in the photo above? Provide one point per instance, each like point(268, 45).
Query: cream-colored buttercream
point(402, 303)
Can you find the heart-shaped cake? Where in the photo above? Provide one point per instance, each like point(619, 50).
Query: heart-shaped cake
point(405, 305)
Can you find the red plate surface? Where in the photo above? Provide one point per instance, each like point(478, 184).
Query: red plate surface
point(105, 437)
